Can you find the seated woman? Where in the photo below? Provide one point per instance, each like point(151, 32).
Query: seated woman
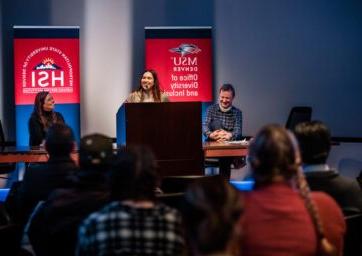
point(281, 216)
point(148, 90)
point(42, 117)
point(133, 223)
point(211, 212)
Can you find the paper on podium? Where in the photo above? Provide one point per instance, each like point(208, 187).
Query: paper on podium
point(243, 142)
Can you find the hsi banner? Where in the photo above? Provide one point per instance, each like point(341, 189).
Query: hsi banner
point(46, 59)
point(182, 57)
point(48, 64)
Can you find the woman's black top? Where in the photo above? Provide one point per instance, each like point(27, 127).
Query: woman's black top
point(37, 131)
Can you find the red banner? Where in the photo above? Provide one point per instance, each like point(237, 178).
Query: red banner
point(184, 67)
point(46, 64)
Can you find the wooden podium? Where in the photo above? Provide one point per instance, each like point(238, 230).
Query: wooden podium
point(172, 130)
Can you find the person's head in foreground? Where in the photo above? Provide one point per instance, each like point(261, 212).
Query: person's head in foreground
point(134, 175)
point(213, 208)
point(95, 152)
point(273, 155)
point(59, 140)
point(315, 141)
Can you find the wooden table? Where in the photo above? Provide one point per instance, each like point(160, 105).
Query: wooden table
point(22, 154)
point(226, 152)
point(26, 155)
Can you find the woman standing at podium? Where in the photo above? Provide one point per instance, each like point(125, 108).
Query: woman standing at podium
point(148, 90)
point(42, 117)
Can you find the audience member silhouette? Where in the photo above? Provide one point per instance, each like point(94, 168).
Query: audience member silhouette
point(134, 223)
point(54, 226)
point(315, 144)
point(211, 212)
point(281, 217)
point(41, 179)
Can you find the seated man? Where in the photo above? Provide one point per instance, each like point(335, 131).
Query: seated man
point(223, 120)
point(223, 123)
point(315, 144)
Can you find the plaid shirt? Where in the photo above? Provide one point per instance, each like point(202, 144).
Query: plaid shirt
point(231, 121)
point(119, 229)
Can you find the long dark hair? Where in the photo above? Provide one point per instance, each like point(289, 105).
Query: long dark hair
point(45, 119)
point(134, 174)
point(272, 153)
point(212, 209)
point(156, 92)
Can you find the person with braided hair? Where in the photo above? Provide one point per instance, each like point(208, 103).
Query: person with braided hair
point(42, 117)
point(282, 216)
point(211, 212)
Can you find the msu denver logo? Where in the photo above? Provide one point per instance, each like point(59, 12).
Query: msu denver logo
point(47, 74)
point(185, 49)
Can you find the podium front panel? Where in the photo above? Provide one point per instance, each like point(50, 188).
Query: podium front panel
point(172, 130)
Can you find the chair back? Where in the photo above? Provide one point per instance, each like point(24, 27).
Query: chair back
point(3, 141)
point(5, 167)
point(10, 237)
point(2, 137)
point(298, 115)
point(359, 179)
point(174, 200)
point(349, 166)
point(353, 238)
point(178, 184)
